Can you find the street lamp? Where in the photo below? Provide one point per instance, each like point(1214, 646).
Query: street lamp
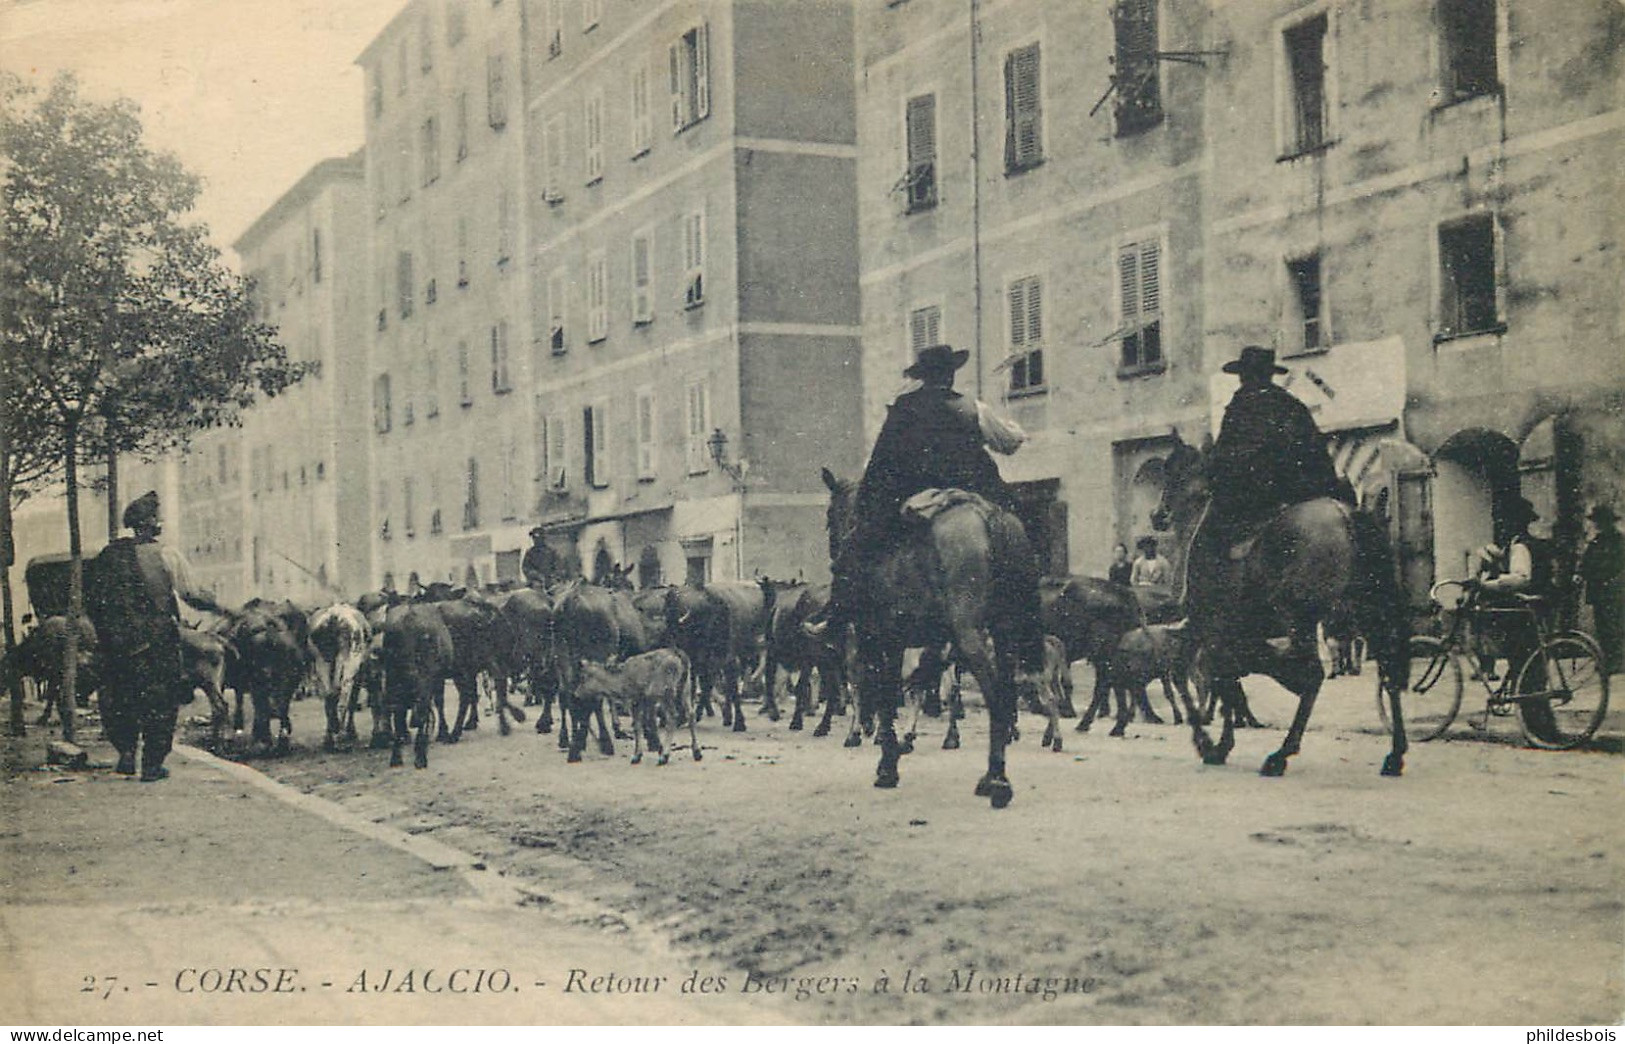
point(718, 445)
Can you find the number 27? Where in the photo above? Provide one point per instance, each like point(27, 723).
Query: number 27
point(108, 982)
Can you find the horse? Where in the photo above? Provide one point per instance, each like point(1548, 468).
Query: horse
point(960, 579)
point(1313, 561)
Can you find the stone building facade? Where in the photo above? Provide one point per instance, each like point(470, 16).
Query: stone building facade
point(1414, 202)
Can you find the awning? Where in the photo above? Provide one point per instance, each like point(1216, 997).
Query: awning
point(1367, 456)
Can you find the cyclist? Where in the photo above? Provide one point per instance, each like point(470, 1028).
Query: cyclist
point(1508, 569)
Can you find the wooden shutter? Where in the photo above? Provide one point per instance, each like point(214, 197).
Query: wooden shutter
point(699, 427)
point(1018, 313)
point(702, 72)
point(679, 106)
point(646, 433)
point(642, 306)
point(1150, 280)
point(557, 464)
point(1023, 143)
point(922, 150)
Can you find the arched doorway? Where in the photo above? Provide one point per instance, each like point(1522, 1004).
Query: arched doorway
point(1475, 472)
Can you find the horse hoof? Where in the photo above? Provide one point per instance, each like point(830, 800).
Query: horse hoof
point(795, 726)
point(471, 726)
point(851, 741)
point(1082, 726)
point(396, 761)
point(606, 749)
point(739, 722)
point(543, 726)
point(574, 758)
point(820, 732)
point(1274, 765)
point(637, 759)
point(1056, 746)
point(984, 786)
point(886, 780)
point(281, 745)
point(1002, 794)
point(950, 743)
point(697, 755)
point(1119, 731)
point(420, 761)
point(1393, 765)
point(665, 759)
point(518, 715)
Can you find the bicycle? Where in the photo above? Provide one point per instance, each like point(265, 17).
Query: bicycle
point(1559, 691)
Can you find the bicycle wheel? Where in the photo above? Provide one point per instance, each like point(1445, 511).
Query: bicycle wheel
point(1567, 692)
point(1433, 695)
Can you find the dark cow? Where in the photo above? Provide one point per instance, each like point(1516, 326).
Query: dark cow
point(416, 658)
point(790, 648)
point(527, 649)
point(1154, 651)
point(592, 624)
point(481, 643)
point(1090, 616)
point(655, 687)
point(723, 629)
point(269, 657)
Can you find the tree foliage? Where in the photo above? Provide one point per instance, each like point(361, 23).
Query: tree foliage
point(119, 315)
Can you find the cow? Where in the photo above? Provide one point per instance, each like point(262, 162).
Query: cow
point(592, 624)
point(341, 637)
point(655, 687)
point(722, 627)
point(1153, 651)
point(203, 655)
point(480, 644)
point(1090, 616)
point(41, 656)
point(526, 648)
point(269, 657)
point(416, 658)
point(791, 648)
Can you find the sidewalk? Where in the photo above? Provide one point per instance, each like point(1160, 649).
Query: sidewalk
point(129, 903)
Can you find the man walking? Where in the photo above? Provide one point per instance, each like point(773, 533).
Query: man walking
point(133, 606)
point(1602, 570)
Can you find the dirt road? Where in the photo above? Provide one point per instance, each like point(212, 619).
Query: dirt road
point(1126, 884)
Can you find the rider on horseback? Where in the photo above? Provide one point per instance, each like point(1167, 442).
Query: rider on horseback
point(1269, 453)
point(933, 438)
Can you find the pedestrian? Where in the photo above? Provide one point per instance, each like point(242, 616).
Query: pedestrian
point(135, 611)
point(1602, 571)
point(1121, 569)
point(1149, 570)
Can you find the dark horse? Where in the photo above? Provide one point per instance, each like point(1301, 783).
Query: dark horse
point(958, 580)
point(1320, 560)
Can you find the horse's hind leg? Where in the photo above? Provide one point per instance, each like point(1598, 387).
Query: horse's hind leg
point(994, 674)
point(1302, 675)
point(879, 671)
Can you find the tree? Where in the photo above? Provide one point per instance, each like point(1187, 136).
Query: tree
point(118, 311)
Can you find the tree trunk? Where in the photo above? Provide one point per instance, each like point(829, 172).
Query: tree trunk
point(14, 681)
point(113, 520)
point(69, 696)
point(8, 558)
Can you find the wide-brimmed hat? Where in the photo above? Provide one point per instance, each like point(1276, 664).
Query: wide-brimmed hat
point(1146, 543)
point(537, 531)
point(937, 359)
point(1254, 359)
point(1603, 515)
point(142, 509)
point(1519, 509)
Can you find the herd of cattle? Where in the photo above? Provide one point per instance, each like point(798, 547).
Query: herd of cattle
point(659, 655)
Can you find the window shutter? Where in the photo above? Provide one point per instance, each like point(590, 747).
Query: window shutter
point(1035, 311)
point(1010, 112)
point(539, 438)
point(1151, 280)
point(640, 109)
point(1018, 314)
point(922, 150)
point(642, 307)
point(702, 72)
point(1029, 147)
point(558, 473)
point(465, 392)
point(677, 106)
point(699, 427)
point(597, 444)
point(556, 336)
point(1128, 284)
point(646, 434)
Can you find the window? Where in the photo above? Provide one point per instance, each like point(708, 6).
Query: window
point(426, 38)
point(698, 428)
point(697, 562)
point(551, 449)
point(462, 126)
point(646, 434)
point(496, 93)
point(431, 291)
point(924, 329)
point(408, 522)
point(694, 259)
point(1467, 278)
point(1306, 330)
point(1139, 296)
point(592, 11)
point(596, 444)
point(504, 227)
point(377, 92)
point(405, 288)
point(1467, 39)
point(553, 144)
point(510, 478)
point(593, 133)
point(462, 250)
point(381, 508)
point(408, 413)
point(465, 388)
point(1026, 303)
point(316, 255)
point(642, 123)
point(499, 358)
point(1023, 135)
point(642, 273)
point(555, 28)
point(557, 341)
point(456, 22)
point(921, 132)
point(1139, 94)
point(380, 405)
point(690, 78)
point(597, 297)
point(431, 152)
point(404, 176)
point(1306, 111)
point(431, 384)
point(471, 494)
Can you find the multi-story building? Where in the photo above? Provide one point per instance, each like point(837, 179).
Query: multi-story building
point(449, 326)
point(693, 252)
point(1414, 202)
point(278, 507)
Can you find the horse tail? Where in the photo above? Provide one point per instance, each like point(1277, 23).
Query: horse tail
point(1015, 589)
point(1384, 618)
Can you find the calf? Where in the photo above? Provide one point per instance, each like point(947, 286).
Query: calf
point(42, 656)
point(1154, 651)
point(654, 685)
point(203, 657)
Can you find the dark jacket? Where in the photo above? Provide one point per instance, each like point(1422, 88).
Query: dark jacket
point(1269, 453)
point(542, 565)
point(931, 440)
point(132, 605)
point(1602, 567)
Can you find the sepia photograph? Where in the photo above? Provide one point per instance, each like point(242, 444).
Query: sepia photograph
point(556, 513)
